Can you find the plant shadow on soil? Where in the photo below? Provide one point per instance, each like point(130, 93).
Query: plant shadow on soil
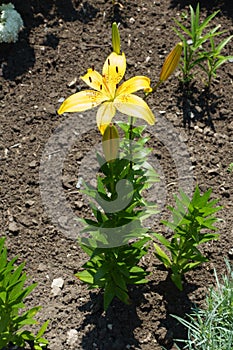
point(176, 303)
point(116, 328)
point(197, 106)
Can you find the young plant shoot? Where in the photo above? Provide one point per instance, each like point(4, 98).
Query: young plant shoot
point(192, 226)
point(199, 47)
point(13, 319)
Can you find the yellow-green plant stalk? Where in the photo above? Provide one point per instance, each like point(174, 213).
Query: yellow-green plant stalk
point(171, 62)
point(110, 143)
point(116, 41)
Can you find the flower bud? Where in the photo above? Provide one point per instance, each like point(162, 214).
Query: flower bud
point(116, 41)
point(171, 62)
point(110, 143)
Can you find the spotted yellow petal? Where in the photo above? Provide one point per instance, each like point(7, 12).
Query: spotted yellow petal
point(113, 71)
point(134, 106)
point(95, 80)
point(134, 84)
point(104, 115)
point(81, 101)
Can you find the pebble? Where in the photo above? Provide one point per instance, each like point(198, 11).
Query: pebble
point(68, 181)
point(13, 227)
point(198, 129)
point(214, 171)
point(131, 20)
point(63, 220)
point(41, 267)
point(72, 83)
point(49, 108)
point(29, 203)
point(198, 109)
point(208, 131)
point(57, 285)
point(33, 164)
point(192, 115)
point(78, 204)
point(72, 337)
point(230, 253)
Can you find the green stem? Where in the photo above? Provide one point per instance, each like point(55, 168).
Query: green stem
point(130, 141)
point(156, 86)
point(112, 186)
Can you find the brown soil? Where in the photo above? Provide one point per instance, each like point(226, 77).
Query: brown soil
point(61, 39)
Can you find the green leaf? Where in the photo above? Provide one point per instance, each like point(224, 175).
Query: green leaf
point(162, 240)
point(118, 279)
point(209, 237)
point(27, 317)
point(176, 278)
point(136, 270)
point(3, 297)
point(109, 294)
point(162, 256)
point(101, 272)
point(100, 185)
point(223, 43)
point(122, 295)
point(85, 276)
point(87, 249)
point(2, 242)
point(42, 330)
point(26, 335)
point(183, 28)
point(194, 20)
point(207, 20)
point(17, 297)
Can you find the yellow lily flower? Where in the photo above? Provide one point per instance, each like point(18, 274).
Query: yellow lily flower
point(109, 95)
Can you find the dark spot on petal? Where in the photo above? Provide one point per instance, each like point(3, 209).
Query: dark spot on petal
point(101, 86)
point(90, 80)
point(117, 69)
point(117, 86)
point(108, 61)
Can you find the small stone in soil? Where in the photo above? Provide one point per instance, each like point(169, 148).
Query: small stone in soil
point(72, 337)
point(57, 285)
point(33, 164)
point(230, 253)
point(13, 227)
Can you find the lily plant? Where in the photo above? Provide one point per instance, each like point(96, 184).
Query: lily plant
point(115, 238)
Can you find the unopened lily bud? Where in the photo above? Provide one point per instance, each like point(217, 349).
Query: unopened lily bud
point(116, 41)
point(110, 143)
point(171, 62)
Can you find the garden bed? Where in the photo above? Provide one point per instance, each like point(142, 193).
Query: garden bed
point(61, 39)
